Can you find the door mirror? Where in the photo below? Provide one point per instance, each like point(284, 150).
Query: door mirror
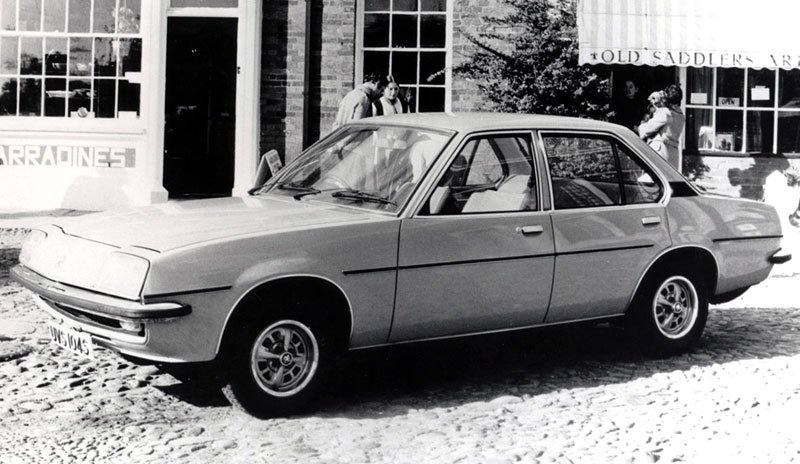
point(269, 165)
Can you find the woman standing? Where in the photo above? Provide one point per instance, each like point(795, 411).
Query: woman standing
point(390, 102)
point(664, 129)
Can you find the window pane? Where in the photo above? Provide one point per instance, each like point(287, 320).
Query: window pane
point(788, 132)
point(789, 88)
point(431, 99)
point(55, 58)
point(730, 84)
point(699, 83)
point(8, 55)
point(30, 97)
point(79, 99)
point(129, 96)
point(404, 67)
point(729, 130)
point(104, 16)
point(30, 15)
point(55, 15)
point(376, 5)
point(376, 30)
point(104, 98)
point(431, 68)
point(376, 62)
point(583, 172)
point(31, 55)
point(79, 14)
point(432, 31)
point(55, 97)
point(130, 54)
point(410, 94)
point(129, 16)
point(760, 126)
point(699, 131)
point(762, 87)
point(639, 182)
point(8, 96)
point(205, 3)
point(105, 57)
point(433, 5)
point(8, 15)
point(404, 31)
point(405, 5)
point(80, 56)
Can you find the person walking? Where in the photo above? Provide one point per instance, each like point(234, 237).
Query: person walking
point(357, 103)
point(664, 129)
point(390, 102)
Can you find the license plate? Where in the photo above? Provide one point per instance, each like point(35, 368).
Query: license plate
point(71, 340)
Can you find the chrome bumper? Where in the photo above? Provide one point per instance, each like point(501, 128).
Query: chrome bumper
point(95, 303)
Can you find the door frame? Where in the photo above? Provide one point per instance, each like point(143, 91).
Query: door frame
point(248, 77)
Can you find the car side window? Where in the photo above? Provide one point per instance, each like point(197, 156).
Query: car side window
point(583, 170)
point(491, 173)
point(638, 181)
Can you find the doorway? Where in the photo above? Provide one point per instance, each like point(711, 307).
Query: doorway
point(200, 107)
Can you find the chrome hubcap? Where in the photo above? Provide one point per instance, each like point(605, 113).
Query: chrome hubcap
point(284, 358)
point(675, 307)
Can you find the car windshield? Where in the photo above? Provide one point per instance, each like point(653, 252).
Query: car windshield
point(374, 167)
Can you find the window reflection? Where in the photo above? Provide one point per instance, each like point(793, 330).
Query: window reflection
point(105, 57)
point(55, 15)
point(376, 30)
point(404, 31)
point(30, 15)
point(55, 97)
point(130, 55)
point(8, 96)
point(30, 97)
point(431, 67)
point(80, 56)
point(8, 55)
point(79, 100)
point(30, 53)
point(432, 31)
point(79, 15)
point(104, 16)
point(55, 56)
point(8, 15)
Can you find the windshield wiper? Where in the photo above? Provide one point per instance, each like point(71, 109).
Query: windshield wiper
point(358, 195)
point(299, 188)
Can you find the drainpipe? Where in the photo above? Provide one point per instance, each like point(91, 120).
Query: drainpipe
point(307, 79)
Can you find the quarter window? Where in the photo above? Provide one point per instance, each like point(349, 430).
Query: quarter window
point(490, 174)
point(588, 171)
point(70, 58)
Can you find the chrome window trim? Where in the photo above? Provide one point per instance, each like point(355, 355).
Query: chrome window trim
point(432, 179)
point(666, 189)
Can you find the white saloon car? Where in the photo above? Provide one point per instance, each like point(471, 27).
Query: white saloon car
point(398, 229)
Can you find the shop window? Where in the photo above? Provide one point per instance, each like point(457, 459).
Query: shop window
point(408, 40)
point(70, 58)
point(743, 110)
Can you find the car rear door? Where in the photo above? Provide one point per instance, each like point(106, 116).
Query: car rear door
point(478, 255)
point(609, 222)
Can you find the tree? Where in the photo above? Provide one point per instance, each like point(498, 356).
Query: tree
point(528, 63)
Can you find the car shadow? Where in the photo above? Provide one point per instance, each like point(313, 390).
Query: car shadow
point(391, 381)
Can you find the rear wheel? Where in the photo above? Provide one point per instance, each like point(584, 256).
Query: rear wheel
point(669, 312)
point(277, 365)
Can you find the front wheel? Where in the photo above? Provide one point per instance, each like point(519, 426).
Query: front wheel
point(277, 367)
point(669, 312)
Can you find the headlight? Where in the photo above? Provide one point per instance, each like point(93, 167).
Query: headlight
point(122, 274)
point(32, 243)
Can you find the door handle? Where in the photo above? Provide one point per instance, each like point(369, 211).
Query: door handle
point(651, 220)
point(530, 230)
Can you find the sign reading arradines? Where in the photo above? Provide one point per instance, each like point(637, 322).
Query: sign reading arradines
point(67, 155)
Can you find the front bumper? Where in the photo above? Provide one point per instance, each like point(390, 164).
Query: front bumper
point(116, 323)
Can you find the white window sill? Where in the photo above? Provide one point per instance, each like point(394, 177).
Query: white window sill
point(72, 125)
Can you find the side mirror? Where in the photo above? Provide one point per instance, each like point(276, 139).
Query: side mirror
point(269, 165)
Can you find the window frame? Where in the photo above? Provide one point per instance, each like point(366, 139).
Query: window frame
point(654, 172)
point(95, 124)
point(447, 49)
point(745, 109)
point(542, 203)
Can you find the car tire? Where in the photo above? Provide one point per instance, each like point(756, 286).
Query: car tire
point(277, 365)
point(669, 312)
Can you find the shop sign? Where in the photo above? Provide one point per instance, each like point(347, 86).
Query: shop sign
point(67, 156)
point(690, 58)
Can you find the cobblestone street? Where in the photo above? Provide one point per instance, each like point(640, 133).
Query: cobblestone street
point(555, 395)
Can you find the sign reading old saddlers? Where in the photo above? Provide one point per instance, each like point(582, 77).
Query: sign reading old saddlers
point(690, 58)
point(67, 156)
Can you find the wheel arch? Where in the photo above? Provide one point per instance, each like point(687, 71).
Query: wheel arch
point(699, 257)
point(287, 288)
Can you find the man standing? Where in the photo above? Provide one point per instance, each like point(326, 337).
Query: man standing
point(357, 103)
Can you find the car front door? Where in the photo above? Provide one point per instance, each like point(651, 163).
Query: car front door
point(609, 223)
point(479, 254)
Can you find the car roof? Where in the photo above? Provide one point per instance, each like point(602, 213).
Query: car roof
point(468, 122)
